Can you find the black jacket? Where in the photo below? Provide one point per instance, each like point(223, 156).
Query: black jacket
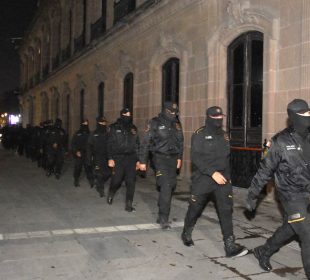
point(163, 137)
point(79, 142)
point(287, 161)
point(55, 135)
point(123, 139)
point(210, 152)
point(97, 146)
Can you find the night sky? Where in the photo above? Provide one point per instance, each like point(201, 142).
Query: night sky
point(15, 17)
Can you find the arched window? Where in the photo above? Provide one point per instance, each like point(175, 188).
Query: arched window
point(56, 112)
point(245, 89)
point(68, 112)
point(101, 99)
point(82, 96)
point(45, 107)
point(170, 80)
point(31, 111)
point(128, 91)
point(123, 8)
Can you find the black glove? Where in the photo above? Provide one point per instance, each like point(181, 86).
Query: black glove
point(250, 201)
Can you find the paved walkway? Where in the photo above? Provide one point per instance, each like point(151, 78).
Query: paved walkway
point(52, 230)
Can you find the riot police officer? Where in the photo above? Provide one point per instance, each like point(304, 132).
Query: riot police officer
point(210, 155)
point(55, 141)
point(164, 139)
point(97, 154)
point(123, 149)
point(79, 149)
point(288, 159)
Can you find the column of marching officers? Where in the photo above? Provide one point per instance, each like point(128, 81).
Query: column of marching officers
point(116, 152)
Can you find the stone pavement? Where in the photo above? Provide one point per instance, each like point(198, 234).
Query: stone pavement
point(52, 230)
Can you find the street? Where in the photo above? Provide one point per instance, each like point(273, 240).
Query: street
point(50, 229)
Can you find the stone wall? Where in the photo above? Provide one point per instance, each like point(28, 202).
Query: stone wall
point(197, 32)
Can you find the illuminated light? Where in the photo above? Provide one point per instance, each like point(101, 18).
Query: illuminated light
point(5, 114)
point(14, 119)
point(2, 116)
point(19, 115)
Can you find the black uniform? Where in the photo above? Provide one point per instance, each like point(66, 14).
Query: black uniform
point(55, 141)
point(79, 145)
point(288, 160)
point(164, 139)
point(123, 148)
point(97, 154)
point(210, 153)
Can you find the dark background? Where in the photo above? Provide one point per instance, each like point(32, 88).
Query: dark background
point(15, 18)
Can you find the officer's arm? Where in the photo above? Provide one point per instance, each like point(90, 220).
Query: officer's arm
point(180, 137)
point(146, 143)
point(137, 146)
point(90, 148)
point(267, 168)
point(111, 142)
point(74, 144)
point(202, 163)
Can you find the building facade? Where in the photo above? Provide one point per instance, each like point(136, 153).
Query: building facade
point(84, 58)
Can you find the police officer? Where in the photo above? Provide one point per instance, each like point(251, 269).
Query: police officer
point(79, 149)
point(210, 155)
point(164, 139)
point(55, 139)
point(123, 149)
point(288, 159)
point(97, 154)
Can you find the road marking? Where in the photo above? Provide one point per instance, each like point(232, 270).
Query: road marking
point(81, 231)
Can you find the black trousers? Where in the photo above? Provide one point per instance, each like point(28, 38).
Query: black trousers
point(224, 204)
point(102, 173)
point(166, 180)
point(55, 159)
point(124, 170)
point(79, 163)
point(296, 222)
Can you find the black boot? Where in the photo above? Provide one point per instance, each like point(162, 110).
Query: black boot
point(233, 249)
point(76, 182)
point(187, 236)
point(164, 224)
point(110, 199)
point(263, 254)
point(129, 207)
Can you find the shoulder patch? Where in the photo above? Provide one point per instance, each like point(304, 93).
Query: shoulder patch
point(148, 127)
point(178, 126)
point(199, 130)
point(226, 136)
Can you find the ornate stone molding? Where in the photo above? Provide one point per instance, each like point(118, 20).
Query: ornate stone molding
point(99, 75)
point(66, 87)
point(125, 60)
point(80, 82)
point(239, 13)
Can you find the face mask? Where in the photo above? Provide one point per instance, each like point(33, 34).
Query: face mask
point(169, 116)
point(214, 123)
point(101, 127)
point(84, 127)
point(300, 123)
point(126, 119)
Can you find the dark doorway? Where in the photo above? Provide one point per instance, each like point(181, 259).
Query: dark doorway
point(82, 96)
point(68, 112)
point(101, 99)
point(128, 92)
point(245, 99)
point(170, 80)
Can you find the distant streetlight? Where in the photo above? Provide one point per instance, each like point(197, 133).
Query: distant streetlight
point(2, 115)
point(5, 114)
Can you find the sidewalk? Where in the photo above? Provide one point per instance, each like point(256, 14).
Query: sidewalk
point(52, 230)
